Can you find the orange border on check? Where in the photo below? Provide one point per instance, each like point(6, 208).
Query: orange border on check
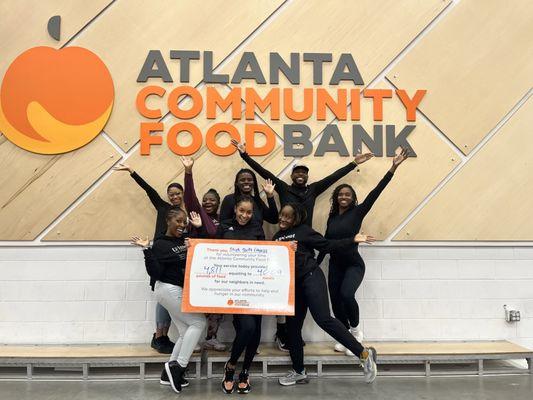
point(186, 305)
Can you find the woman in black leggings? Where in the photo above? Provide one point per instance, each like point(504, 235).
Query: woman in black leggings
point(311, 292)
point(346, 267)
point(247, 327)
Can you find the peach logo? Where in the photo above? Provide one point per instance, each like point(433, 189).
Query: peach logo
point(54, 101)
point(230, 302)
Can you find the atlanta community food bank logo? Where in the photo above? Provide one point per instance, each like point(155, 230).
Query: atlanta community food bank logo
point(55, 101)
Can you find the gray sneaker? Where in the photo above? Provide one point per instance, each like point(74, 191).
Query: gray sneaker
point(293, 378)
point(370, 369)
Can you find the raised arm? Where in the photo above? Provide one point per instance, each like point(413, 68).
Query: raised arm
point(191, 200)
point(154, 197)
point(270, 213)
point(369, 201)
point(323, 184)
point(264, 173)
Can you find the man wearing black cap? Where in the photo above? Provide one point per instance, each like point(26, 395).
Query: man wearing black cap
point(300, 191)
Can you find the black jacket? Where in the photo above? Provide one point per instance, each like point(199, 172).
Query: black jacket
point(304, 195)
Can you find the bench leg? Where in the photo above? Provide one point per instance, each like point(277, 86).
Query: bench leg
point(29, 371)
point(142, 371)
point(85, 369)
point(480, 367)
point(265, 369)
point(319, 368)
point(428, 369)
point(530, 365)
point(209, 369)
point(198, 369)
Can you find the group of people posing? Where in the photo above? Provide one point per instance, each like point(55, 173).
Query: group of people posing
point(241, 217)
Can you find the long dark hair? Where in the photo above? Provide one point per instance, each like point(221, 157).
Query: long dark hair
point(335, 198)
point(300, 213)
point(237, 192)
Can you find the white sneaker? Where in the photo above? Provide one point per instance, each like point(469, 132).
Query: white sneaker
point(357, 333)
point(370, 368)
point(293, 378)
point(349, 353)
point(214, 344)
point(339, 348)
point(197, 348)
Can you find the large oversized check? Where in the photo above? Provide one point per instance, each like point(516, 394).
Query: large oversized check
point(239, 277)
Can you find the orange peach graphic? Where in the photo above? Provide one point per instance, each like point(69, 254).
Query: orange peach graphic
point(54, 101)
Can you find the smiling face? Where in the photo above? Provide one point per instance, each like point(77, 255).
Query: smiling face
point(176, 224)
point(345, 197)
point(299, 176)
point(245, 182)
point(287, 218)
point(175, 196)
point(243, 212)
point(210, 203)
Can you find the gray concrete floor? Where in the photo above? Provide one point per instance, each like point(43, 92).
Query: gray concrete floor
point(518, 387)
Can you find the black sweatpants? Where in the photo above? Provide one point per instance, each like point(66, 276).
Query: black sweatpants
point(311, 292)
point(343, 282)
point(248, 336)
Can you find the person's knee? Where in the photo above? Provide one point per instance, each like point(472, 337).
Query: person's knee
point(200, 323)
point(347, 296)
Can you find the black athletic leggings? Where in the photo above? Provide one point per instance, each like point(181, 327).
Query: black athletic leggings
point(311, 292)
point(343, 282)
point(248, 336)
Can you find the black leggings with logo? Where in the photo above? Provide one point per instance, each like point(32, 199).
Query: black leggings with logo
point(311, 292)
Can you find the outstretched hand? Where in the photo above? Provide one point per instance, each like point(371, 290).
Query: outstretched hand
point(361, 158)
point(195, 219)
point(138, 241)
point(360, 238)
point(241, 146)
point(269, 187)
point(400, 158)
point(123, 167)
point(187, 162)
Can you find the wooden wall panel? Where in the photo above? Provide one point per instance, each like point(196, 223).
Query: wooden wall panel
point(413, 180)
point(36, 189)
point(490, 197)
point(476, 65)
point(374, 32)
point(121, 200)
point(24, 24)
point(123, 36)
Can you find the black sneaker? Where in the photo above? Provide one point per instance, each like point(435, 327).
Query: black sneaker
point(175, 374)
point(165, 381)
point(282, 345)
point(228, 377)
point(160, 344)
point(244, 378)
point(168, 342)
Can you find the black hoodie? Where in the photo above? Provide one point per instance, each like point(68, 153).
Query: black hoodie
point(231, 229)
point(166, 260)
point(309, 240)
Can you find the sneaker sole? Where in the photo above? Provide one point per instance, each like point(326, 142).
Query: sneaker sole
point(164, 383)
point(167, 368)
point(299, 382)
